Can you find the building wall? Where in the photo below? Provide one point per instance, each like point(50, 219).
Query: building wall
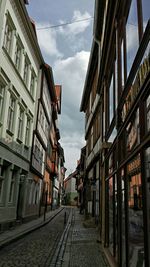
point(122, 33)
point(70, 191)
point(124, 158)
point(19, 83)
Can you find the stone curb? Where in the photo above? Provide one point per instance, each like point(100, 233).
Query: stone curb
point(11, 239)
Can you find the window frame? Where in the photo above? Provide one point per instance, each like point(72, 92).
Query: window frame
point(32, 82)
point(11, 113)
point(2, 95)
point(20, 123)
point(26, 70)
point(17, 58)
point(27, 131)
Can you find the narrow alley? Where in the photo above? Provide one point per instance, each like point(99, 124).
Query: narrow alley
point(62, 241)
point(74, 133)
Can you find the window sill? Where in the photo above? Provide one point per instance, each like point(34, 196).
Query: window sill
point(9, 132)
point(19, 141)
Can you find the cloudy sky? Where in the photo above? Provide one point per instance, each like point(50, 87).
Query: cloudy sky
point(66, 49)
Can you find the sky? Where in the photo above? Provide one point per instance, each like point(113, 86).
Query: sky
point(66, 49)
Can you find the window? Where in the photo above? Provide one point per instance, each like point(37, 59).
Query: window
point(116, 95)
point(123, 65)
point(20, 123)
point(26, 70)
point(49, 148)
point(146, 8)
point(135, 213)
point(27, 135)
point(8, 36)
point(148, 113)
point(132, 38)
point(11, 112)
point(32, 84)
point(147, 180)
point(111, 100)
point(91, 139)
point(46, 128)
point(1, 98)
point(18, 54)
point(1, 182)
point(111, 214)
point(133, 133)
point(11, 192)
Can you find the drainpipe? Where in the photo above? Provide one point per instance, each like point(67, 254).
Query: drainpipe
point(99, 53)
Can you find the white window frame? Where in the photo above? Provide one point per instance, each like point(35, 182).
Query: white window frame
point(27, 133)
point(2, 178)
point(20, 123)
point(11, 113)
point(8, 34)
point(18, 53)
point(2, 93)
point(26, 70)
point(32, 83)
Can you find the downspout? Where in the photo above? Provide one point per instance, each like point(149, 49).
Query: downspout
point(99, 53)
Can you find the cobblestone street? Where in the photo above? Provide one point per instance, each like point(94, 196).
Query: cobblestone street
point(49, 246)
point(82, 247)
point(35, 249)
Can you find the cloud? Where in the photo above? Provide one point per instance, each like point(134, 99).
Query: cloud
point(48, 40)
point(132, 37)
point(76, 27)
point(72, 147)
point(71, 72)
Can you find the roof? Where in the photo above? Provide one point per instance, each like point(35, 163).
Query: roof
point(58, 90)
point(29, 28)
point(72, 175)
point(98, 18)
point(49, 75)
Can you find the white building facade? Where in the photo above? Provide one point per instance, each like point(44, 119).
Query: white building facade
point(20, 75)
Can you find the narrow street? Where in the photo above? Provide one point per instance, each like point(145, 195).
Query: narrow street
point(36, 248)
point(83, 248)
point(74, 133)
point(65, 241)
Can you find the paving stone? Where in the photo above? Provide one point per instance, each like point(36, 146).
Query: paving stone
point(82, 248)
point(32, 250)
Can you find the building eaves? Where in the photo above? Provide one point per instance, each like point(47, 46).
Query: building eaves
point(58, 90)
point(88, 79)
point(98, 18)
point(72, 175)
point(29, 28)
point(49, 76)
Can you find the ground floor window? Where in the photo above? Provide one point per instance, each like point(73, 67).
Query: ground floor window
point(111, 215)
point(135, 213)
point(123, 218)
point(147, 174)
